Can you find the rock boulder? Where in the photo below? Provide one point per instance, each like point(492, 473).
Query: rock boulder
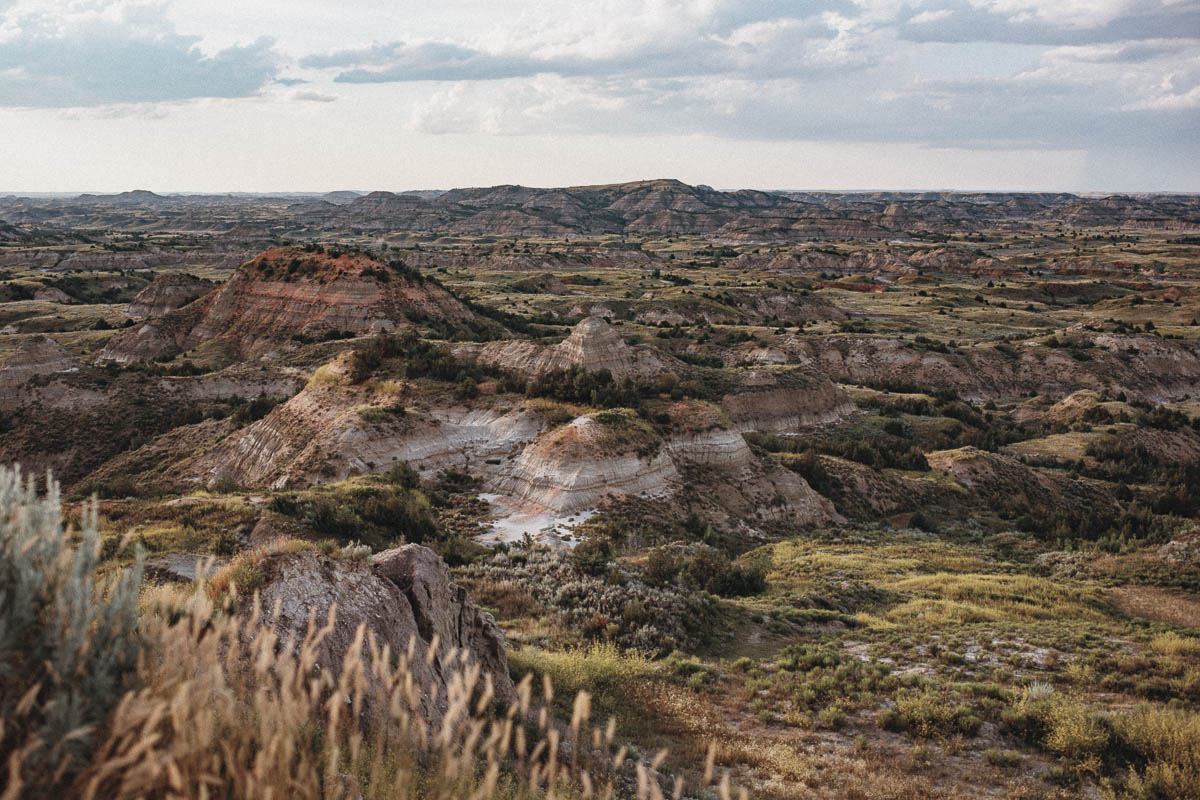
point(405, 598)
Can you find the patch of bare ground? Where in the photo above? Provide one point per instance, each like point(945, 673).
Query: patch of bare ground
point(859, 762)
point(1159, 605)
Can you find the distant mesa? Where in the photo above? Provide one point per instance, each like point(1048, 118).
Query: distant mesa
point(653, 207)
point(136, 197)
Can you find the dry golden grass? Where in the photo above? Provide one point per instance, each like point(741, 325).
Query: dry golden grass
point(224, 709)
point(1172, 644)
point(945, 597)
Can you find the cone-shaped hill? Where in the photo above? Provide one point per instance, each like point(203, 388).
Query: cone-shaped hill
point(37, 355)
point(289, 295)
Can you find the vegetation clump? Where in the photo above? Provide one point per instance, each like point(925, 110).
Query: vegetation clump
point(68, 641)
point(603, 600)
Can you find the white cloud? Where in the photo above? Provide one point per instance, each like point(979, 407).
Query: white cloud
point(314, 97)
point(1065, 13)
point(118, 52)
point(930, 16)
point(1170, 101)
point(1047, 74)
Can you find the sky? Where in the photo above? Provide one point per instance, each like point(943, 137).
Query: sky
point(312, 95)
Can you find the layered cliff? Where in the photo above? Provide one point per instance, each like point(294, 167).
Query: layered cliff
point(784, 400)
point(333, 429)
point(1139, 365)
point(287, 295)
point(577, 465)
point(167, 292)
point(605, 456)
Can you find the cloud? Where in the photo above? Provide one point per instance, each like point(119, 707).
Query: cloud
point(1054, 74)
point(929, 16)
point(1051, 22)
point(119, 53)
point(428, 61)
point(767, 47)
point(314, 97)
point(1131, 52)
point(963, 73)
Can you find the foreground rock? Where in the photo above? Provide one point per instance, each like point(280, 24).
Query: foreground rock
point(405, 598)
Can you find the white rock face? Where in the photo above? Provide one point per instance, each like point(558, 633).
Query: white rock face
point(315, 438)
point(332, 430)
point(718, 447)
point(456, 438)
point(570, 472)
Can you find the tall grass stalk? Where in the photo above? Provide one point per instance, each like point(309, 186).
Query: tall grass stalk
point(190, 701)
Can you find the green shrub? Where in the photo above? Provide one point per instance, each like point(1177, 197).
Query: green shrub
point(402, 474)
point(832, 717)
point(1002, 758)
point(711, 570)
point(932, 715)
point(593, 555)
point(376, 515)
point(1161, 750)
point(66, 645)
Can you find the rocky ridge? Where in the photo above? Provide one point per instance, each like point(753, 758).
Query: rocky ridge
point(285, 295)
point(167, 292)
point(653, 206)
point(593, 345)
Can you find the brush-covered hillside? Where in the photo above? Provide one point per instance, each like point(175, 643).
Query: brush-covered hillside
point(621, 491)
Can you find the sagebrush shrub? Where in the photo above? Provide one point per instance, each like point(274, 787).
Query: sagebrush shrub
point(616, 606)
point(67, 645)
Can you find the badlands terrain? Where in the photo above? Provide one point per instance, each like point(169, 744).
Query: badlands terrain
point(887, 495)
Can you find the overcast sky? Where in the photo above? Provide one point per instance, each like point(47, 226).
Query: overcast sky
point(270, 95)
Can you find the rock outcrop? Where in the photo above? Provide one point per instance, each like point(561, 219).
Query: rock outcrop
point(577, 465)
point(37, 355)
point(405, 599)
point(167, 292)
point(593, 345)
point(1141, 366)
point(288, 295)
point(784, 401)
point(595, 458)
point(332, 429)
point(1005, 483)
point(52, 294)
